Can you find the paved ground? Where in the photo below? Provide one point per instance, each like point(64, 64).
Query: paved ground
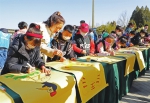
point(140, 90)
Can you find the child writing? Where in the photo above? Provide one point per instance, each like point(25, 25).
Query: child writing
point(24, 53)
point(62, 42)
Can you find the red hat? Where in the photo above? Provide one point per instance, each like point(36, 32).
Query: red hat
point(84, 27)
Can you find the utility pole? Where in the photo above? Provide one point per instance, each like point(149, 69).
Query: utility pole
point(92, 13)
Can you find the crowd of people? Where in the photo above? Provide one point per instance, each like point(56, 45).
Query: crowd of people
point(31, 46)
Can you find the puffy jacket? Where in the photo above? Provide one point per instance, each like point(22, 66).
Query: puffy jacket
point(64, 46)
point(18, 57)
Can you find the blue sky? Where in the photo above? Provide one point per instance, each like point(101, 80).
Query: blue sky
point(14, 11)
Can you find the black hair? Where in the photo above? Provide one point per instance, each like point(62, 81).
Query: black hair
point(103, 31)
point(113, 32)
point(130, 24)
point(54, 18)
point(143, 31)
point(146, 25)
point(132, 32)
point(22, 25)
point(34, 28)
point(77, 27)
point(69, 28)
point(82, 21)
point(123, 39)
point(16, 30)
point(119, 28)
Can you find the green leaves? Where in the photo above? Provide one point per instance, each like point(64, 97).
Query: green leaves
point(141, 16)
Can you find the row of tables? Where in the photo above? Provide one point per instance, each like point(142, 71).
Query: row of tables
point(102, 80)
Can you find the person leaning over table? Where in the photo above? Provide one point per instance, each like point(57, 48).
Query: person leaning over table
point(62, 42)
point(120, 43)
point(138, 39)
point(104, 46)
point(49, 27)
point(24, 53)
point(83, 44)
point(129, 37)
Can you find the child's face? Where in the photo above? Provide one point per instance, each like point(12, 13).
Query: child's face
point(29, 44)
point(109, 40)
point(121, 44)
point(131, 35)
point(66, 35)
point(142, 34)
point(118, 32)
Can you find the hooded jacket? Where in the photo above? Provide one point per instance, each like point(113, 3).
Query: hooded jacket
point(18, 57)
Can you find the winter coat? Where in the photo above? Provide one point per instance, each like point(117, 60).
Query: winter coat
point(137, 40)
point(65, 46)
point(81, 43)
point(18, 57)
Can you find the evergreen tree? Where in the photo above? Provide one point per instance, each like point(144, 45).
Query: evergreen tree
point(141, 16)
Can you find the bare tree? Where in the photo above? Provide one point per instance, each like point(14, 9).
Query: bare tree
point(123, 19)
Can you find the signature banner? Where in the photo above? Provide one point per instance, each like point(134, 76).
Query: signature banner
point(38, 88)
point(90, 76)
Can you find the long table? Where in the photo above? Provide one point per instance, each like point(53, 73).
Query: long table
point(116, 81)
point(120, 84)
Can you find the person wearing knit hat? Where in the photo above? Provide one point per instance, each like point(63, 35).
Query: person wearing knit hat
point(24, 53)
point(104, 46)
point(82, 43)
point(104, 35)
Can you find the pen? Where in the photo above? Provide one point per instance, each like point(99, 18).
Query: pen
point(57, 49)
point(29, 65)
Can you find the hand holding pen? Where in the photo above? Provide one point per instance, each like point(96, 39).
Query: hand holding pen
point(43, 69)
point(57, 52)
point(30, 69)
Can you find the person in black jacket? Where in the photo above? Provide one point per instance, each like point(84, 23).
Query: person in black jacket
point(120, 43)
point(24, 53)
point(62, 42)
point(138, 39)
point(83, 44)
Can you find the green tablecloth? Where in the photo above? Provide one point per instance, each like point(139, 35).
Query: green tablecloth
point(118, 84)
point(146, 55)
point(109, 94)
point(16, 97)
